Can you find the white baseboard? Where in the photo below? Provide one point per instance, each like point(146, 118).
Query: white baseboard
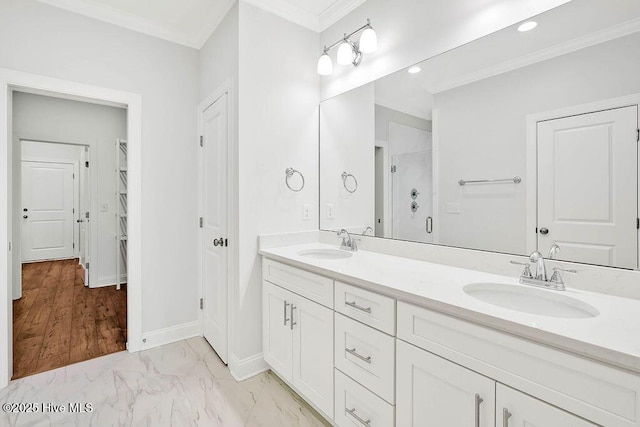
point(242, 369)
point(108, 281)
point(170, 335)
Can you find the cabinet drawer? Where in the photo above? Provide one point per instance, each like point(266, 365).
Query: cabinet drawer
point(312, 286)
point(356, 406)
point(368, 307)
point(366, 355)
point(594, 391)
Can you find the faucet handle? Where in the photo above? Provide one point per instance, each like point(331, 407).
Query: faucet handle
point(527, 269)
point(557, 279)
point(566, 270)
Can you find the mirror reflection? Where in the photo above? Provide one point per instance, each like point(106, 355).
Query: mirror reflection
point(512, 143)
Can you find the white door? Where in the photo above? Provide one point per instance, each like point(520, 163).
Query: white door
point(516, 409)
point(431, 391)
point(588, 187)
point(214, 225)
point(277, 332)
point(412, 187)
point(83, 213)
point(313, 352)
point(47, 215)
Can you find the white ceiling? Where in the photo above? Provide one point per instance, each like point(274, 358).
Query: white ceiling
point(191, 22)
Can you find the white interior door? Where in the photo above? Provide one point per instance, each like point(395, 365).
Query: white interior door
point(588, 187)
point(214, 225)
point(48, 219)
point(412, 171)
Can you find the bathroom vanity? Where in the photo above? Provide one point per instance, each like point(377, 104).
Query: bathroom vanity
point(370, 339)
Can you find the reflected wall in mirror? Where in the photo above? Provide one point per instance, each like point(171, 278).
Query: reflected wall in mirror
point(511, 143)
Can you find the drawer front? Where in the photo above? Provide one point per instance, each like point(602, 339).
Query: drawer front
point(375, 310)
point(366, 355)
point(594, 391)
point(312, 286)
point(356, 406)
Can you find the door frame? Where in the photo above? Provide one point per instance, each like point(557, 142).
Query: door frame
point(532, 153)
point(228, 88)
point(11, 80)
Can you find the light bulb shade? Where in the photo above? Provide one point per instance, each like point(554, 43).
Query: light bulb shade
point(368, 41)
point(325, 65)
point(345, 53)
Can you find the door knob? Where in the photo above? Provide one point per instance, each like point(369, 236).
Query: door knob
point(79, 220)
point(25, 216)
point(544, 231)
point(218, 242)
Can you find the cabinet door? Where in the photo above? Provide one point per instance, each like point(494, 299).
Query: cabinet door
point(431, 391)
point(276, 329)
point(313, 352)
point(516, 409)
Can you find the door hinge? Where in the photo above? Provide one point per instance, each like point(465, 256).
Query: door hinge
point(86, 164)
point(638, 223)
point(73, 175)
point(86, 215)
point(393, 169)
point(73, 245)
point(638, 135)
point(226, 242)
point(201, 222)
point(73, 210)
point(9, 246)
point(86, 266)
point(201, 141)
point(201, 303)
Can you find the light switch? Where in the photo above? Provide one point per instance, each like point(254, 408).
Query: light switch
point(306, 212)
point(104, 207)
point(453, 208)
point(329, 211)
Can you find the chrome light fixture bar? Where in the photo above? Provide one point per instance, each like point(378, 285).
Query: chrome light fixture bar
point(349, 51)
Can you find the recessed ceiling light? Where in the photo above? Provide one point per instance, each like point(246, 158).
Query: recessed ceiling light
point(527, 26)
point(414, 69)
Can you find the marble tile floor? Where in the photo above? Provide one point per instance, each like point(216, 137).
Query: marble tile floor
point(179, 384)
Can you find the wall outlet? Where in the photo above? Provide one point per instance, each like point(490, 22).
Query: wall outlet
point(329, 211)
point(306, 212)
point(104, 207)
point(453, 208)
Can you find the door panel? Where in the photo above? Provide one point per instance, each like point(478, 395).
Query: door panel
point(214, 214)
point(277, 339)
point(587, 187)
point(48, 200)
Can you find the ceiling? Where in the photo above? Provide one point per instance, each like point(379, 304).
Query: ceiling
point(191, 22)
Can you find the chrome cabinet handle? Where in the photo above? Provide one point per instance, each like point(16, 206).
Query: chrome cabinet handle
point(353, 352)
point(293, 307)
point(505, 417)
point(478, 402)
point(358, 307)
point(286, 304)
point(352, 412)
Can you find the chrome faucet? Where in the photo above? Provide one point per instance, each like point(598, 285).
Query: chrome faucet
point(541, 271)
point(366, 230)
point(348, 242)
point(540, 278)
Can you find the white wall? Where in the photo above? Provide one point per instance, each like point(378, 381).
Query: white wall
point(410, 31)
point(347, 132)
point(44, 40)
point(494, 217)
point(42, 118)
point(278, 116)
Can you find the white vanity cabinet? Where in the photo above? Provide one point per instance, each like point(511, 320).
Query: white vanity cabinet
point(298, 343)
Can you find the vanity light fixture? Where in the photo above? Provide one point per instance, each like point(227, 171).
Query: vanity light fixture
point(527, 26)
point(413, 70)
point(349, 52)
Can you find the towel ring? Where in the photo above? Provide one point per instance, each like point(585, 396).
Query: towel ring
point(290, 172)
point(345, 176)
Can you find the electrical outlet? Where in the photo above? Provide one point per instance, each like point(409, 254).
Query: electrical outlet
point(104, 207)
point(329, 211)
point(453, 208)
point(306, 212)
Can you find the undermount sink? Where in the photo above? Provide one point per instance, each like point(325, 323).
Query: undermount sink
point(325, 253)
point(531, 300)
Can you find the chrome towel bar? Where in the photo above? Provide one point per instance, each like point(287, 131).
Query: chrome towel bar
point(515, 180)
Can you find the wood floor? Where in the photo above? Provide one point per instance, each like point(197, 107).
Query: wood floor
point(59, 321)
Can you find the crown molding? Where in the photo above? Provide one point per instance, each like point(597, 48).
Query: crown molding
point(212, 23)
point(337, 11)
point(602, 36)
point(289, 11)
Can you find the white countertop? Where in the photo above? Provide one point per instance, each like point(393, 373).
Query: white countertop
point(612, 337)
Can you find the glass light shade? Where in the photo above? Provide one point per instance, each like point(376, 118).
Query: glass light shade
point(527, 26)
point(345, 53)
point(368, 41)
point(325, 65)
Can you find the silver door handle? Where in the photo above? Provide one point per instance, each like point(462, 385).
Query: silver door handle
point(353, 352)
point(429, 225)
point(358, 307)
point(293, 307)
point(352, 412)
point(478, 402)
point(286, 304)
point(505, 417)
point(79, 220)
point(25, 216)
